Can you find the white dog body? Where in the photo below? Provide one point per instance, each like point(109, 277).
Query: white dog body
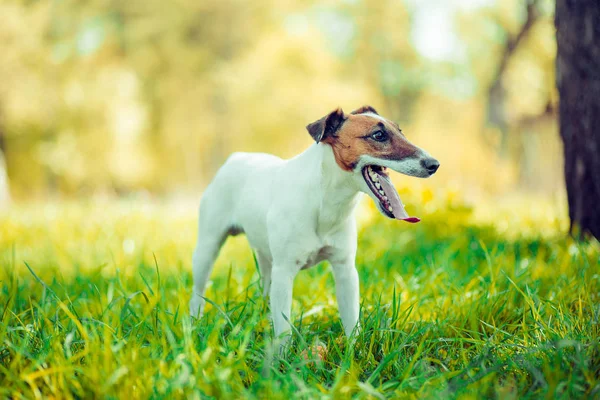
point(295, 214)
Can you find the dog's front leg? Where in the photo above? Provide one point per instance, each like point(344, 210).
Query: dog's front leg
point(347, 293)
point(282, 284)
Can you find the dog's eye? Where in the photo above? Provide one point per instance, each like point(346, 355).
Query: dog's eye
point(379, 136)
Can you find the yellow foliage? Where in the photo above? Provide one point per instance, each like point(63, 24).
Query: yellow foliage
point(140, 96)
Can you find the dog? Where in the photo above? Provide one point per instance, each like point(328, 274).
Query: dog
point(298, 212)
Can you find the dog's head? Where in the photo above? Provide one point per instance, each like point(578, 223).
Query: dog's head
point(365, 144)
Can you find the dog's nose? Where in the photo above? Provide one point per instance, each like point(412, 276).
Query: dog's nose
point(431, 165)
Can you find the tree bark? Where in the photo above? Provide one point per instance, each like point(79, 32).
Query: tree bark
point(578, 82)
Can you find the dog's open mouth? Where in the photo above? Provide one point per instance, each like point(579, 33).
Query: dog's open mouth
point(389, 200)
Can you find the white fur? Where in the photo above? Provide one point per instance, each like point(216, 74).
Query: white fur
point(373, 115)
point(407, 166)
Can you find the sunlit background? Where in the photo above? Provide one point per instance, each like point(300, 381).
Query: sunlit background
point(146, 99)
point(115, 115)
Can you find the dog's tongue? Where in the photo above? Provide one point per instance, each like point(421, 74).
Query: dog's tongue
point(397, 206)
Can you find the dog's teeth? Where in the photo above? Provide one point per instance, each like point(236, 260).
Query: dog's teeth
point(390, 208)
point(378, 185)
point(381, 192)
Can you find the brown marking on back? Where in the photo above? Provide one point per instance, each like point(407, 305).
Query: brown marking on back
point(352, 140)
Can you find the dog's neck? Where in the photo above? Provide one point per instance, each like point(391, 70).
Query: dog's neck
point(338, 191)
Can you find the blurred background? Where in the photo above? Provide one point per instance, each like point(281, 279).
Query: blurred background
point(147, 98)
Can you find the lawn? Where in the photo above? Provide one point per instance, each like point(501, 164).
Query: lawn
point(469, 303)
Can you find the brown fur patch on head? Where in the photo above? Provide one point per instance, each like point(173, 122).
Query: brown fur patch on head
point(353, 139)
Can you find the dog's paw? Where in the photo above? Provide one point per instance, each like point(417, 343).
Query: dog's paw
point(196, 306)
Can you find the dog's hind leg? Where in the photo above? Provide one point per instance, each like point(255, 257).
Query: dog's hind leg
point(207, 250)
point(212, 232)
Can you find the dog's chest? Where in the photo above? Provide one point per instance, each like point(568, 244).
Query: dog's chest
point(315, 257)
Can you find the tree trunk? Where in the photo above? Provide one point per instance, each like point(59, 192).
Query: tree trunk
point(578, 81)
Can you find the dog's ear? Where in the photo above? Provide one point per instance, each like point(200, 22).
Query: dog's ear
point(365, 109)
point(326, 126)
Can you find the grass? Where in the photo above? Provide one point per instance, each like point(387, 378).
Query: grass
point(93, 303)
